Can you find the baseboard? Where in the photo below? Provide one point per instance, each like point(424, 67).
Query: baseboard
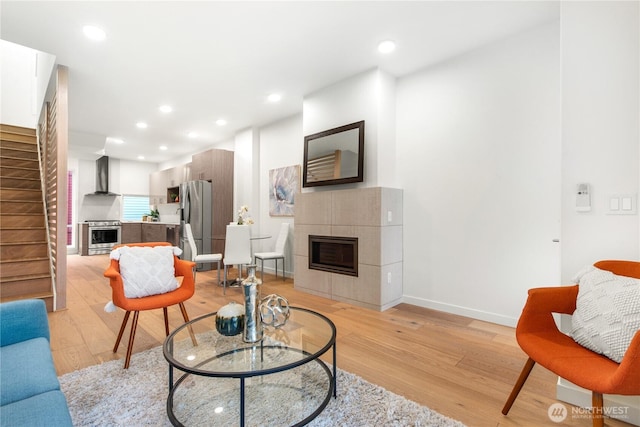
point(461, 311)
point(624, 408)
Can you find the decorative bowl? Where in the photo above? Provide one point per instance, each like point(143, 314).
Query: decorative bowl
point(230, 319)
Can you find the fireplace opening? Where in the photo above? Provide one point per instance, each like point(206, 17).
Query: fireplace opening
point(334, 254)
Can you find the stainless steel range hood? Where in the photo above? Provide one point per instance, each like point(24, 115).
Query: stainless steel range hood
point(102, 178)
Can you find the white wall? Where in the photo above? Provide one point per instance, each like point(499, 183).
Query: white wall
point(281, 144)
point(247, 173)
point(478, 152)
point(24, 77)
point(368, 96)
point(601, 125)
point(125, 177)
point(601, 144)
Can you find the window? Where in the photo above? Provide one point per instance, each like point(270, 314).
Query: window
point(134, 207)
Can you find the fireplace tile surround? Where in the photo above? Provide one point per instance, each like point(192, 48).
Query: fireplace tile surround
point(374, 216)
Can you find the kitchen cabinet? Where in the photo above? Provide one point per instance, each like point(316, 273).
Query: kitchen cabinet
point(164, 183)
point(154, 232)
point(83, 239)
point(216, 166)
point(158, 187)
point(130, 232)
point(136, 232)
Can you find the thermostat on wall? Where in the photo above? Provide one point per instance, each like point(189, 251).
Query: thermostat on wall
point(583, 198)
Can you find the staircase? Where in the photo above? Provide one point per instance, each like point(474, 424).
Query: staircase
point(25, 270)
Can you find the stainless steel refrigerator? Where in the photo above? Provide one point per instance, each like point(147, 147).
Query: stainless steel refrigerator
point(195, 209)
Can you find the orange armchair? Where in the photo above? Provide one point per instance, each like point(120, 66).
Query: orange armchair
point(185, 291)
point(539, 337)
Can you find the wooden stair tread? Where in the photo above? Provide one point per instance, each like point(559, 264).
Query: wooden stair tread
point(25, 277)
point(38, 295)
point(26, 228)
point(16, 167)
point(37, 259)
point(15, 177)
point(34, 242)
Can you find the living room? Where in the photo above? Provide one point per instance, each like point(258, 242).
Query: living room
point(488, 148)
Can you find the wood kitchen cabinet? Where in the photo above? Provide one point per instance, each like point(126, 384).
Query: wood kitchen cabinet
point(137, 232)
point(161, 181)
point(130, 232)
point(83, 239)
point(216, 166)
point(154, 232)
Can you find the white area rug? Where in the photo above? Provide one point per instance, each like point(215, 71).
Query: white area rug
point(107, 395)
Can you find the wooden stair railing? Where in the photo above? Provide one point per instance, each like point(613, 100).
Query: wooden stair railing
point(25, 267)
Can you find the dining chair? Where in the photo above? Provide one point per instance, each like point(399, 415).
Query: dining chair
point(200, 258)
point(127, 272)
point(237, 250)
point(278, 253)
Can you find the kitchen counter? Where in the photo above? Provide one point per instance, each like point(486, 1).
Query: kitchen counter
point(145, 231)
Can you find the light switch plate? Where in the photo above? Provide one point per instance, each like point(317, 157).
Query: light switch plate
point(622, 204)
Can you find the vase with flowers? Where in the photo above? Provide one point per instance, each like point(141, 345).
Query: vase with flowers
point(243, 216)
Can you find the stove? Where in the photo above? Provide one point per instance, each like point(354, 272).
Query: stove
point(102, 222)
point(103, 235)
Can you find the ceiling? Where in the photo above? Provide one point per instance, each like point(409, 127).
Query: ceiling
point(213, 59)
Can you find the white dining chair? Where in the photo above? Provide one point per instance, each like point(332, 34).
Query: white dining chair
point(278, 252)
point(237, 250)
point(200, 258)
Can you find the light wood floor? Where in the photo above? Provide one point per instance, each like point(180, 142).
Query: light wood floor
point(460, 367)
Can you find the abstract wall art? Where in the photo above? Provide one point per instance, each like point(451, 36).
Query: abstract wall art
point(284, 184)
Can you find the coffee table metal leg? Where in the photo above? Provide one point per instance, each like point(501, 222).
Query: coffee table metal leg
point(335, 371)
point(241, 402)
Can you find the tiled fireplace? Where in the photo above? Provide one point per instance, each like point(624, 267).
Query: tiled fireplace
point(348, 245)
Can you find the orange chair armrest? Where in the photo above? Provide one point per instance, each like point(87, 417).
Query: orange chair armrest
point(537, 314)
point(554, 300)
point(184, 267)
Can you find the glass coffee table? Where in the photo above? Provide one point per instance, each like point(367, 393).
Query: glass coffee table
point(224, 381)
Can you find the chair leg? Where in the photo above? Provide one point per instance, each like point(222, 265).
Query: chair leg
point(218, 273)
point(597, 415)
point(134, 325)
point(166, 321)
point(224, 282)
point(185, 316)
point(124, 325)
point(526, 370)
point(283, 277)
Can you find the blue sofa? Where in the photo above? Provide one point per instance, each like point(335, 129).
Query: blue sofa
point(29, 389)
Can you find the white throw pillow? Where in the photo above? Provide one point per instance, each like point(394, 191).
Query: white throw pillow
point(607, 314)
point(147, 270)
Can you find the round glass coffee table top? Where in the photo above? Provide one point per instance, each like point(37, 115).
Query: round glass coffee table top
point(271, 382)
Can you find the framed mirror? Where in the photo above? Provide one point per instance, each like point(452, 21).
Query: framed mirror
point(334, 156)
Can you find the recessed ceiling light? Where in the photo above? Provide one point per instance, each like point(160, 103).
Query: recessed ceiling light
point(141, 125)
point(140, 157)
point(221, 122)
point(192, 134)
point(166, 109)
point(112, 140)
point(274, 97)
point(94, 33)
point(386, 46)
point(163, 148)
